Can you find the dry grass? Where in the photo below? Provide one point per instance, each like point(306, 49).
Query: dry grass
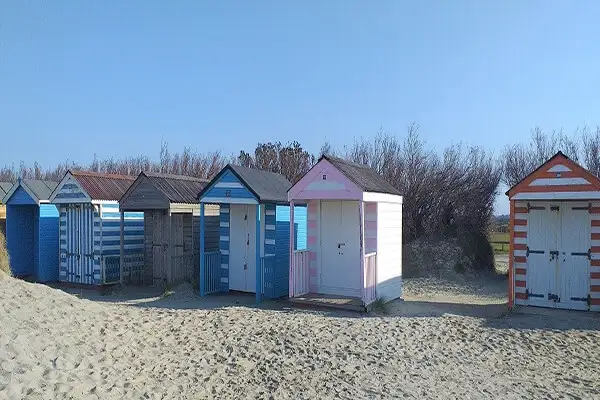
point(4, 259)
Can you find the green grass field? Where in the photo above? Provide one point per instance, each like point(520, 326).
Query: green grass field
point(496, 237)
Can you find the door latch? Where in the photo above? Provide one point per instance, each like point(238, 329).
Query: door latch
point(554, 297)
point(245, 266)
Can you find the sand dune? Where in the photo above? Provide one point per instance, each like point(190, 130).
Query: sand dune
point(54, 345)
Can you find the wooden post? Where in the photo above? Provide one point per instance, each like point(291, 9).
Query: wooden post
point(122, 250)
point(292, 271)
point(258, 263)
point(361, 219)
point(169, 245)
point(202, 265)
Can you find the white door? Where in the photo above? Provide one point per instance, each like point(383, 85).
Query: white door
point(543, 226)
point(340, 248)
point(242, 248)
point(573, 283)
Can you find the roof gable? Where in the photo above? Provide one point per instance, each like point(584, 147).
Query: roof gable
point(5, 188)
point(36, 190)
point(334, 178)
point(262, 186)
point(558, 174)
point(83, 187)
point(69, 191)
point(152, 190)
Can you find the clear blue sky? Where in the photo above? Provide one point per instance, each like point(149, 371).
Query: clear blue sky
point(114, 77)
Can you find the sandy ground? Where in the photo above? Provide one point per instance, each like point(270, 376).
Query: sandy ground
point(135, 344)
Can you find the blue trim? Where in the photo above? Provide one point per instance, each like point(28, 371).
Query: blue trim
point(258, 263)
point(226, 176)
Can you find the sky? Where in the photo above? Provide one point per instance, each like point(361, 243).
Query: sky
point(114, 78)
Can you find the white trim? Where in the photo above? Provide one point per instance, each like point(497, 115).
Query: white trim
point(224, 224)
point(381, 198)
point(108, 202)
point(521, 253)
point(269, 212)
point(224, 266)
point(269, 227)
point(557, 196)
point(224, 238)
point(225, 252)
point(521, 216)
point(519, 240)
point(559, 181)
point(227, 200)
point(228, 185)
point(269, 241)
point(520, 228)
point(224, 280)
point(559, 168)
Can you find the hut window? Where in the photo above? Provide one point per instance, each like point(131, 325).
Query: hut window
point(558, 174)
point(324, 177)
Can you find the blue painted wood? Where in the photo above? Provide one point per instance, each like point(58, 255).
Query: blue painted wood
point(202, 261)
point(21, 197)
point(224, 222)
point(48, 243)
point(258, 263)
point(20, 238)
point(215, 191)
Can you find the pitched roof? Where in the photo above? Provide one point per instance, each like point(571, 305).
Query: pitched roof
point(4, 188)
point(40, 188)
point(363, 176)
point(265, 186)
point(177, 188)
point(100, 186)
point(537, 181)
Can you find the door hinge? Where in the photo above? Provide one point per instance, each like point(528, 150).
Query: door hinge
point(554, 297)
point(529, 294)
point(554, 208)
point(587, 208)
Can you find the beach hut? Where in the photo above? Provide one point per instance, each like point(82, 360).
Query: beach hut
point(554, 255)
point(32, 230)
point(172, 225)
point(91, 250)
point(254, 243)
point(4, 188)
point(354, 253)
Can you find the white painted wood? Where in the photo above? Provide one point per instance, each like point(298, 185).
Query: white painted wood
point(371, 197)
point(574, 277)
point(242, 248)
point(301, 263)
point(541, 268)
point(340, 249)
point(559, 168)
point(229, 185)
point(559, 181)
point(389, 251)
point(557, 196)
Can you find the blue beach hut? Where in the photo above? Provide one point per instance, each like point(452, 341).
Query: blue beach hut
point(254, 237)
point(32, 230)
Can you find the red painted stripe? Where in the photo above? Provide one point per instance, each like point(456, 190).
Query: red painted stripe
point(596, 222)
point(595, 275)
point(521, 222)
point(595, 302)
point(595, 288)
point(520, 271)
point(520, 246)
point(595, 236)
point(520, 284)
point(595, 249)
point(522, 210)
point(520, 259)
point(521, 296)
point(595, 263)
point(559, 188)
point(520, 234)
point(595, 210)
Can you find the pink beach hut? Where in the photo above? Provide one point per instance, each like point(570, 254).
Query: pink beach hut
point(354, 246)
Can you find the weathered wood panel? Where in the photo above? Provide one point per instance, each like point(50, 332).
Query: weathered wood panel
point(144, 196)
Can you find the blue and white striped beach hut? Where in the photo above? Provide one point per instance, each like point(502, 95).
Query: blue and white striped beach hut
point(254, 246)
point(90, 228)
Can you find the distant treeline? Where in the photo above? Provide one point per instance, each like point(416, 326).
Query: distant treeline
point(447, 194)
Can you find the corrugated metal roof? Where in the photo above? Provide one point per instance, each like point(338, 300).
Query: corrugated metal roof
point(40, 188)
point(363, 176)
point(177, 188)
point(100, 186)
point(267, 186)
point(4, 188)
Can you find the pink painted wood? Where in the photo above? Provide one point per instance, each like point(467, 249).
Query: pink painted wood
point(335, 187)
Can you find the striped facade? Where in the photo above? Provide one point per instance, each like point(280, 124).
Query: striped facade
point(271, 227)
point(90, 235)
point(559, 186)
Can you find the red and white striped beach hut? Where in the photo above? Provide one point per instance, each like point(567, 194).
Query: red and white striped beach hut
point(554, 258)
